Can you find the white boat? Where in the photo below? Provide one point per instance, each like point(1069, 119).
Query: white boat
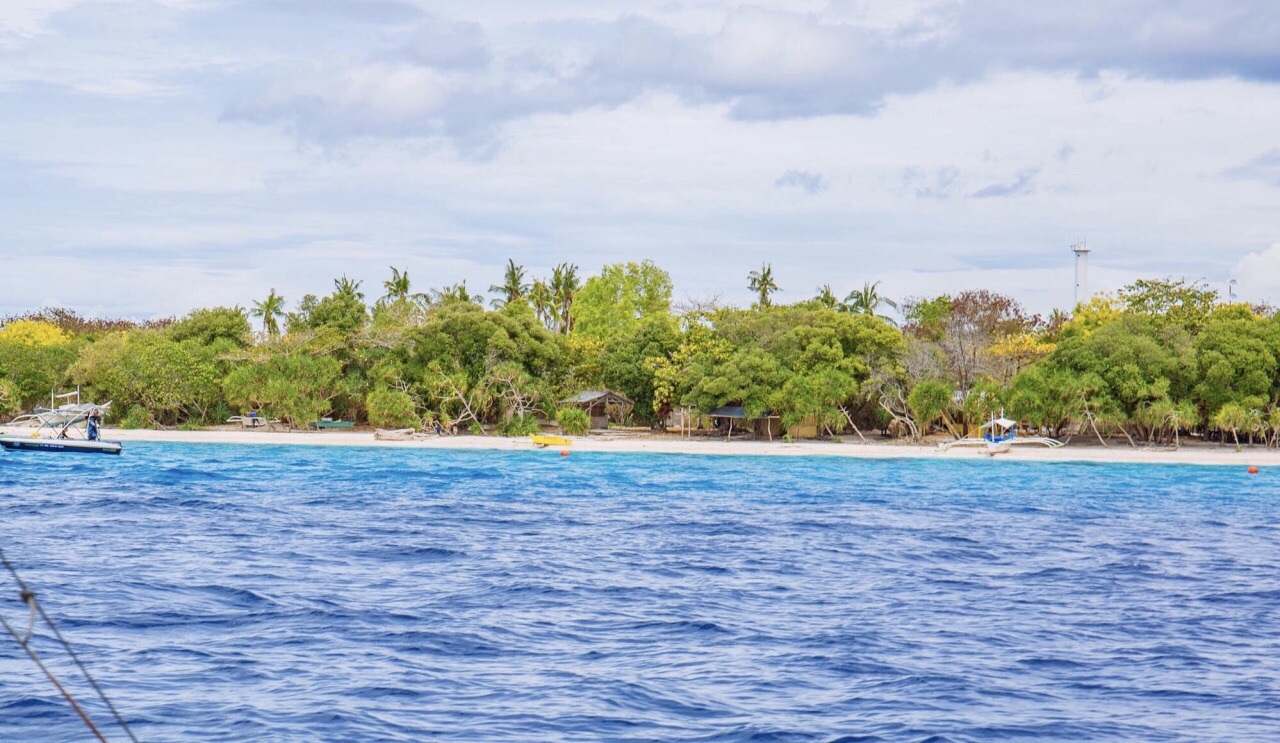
point(999, 436)
point(66, 428)
point(62, 409)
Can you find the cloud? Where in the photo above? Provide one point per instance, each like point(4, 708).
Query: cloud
point(758, 64)
point(1264, 167)
point(940, 184)
point(360, 11)
point(810, 183)
point(447, 45)
point(1259, 275)
point(1020, 185)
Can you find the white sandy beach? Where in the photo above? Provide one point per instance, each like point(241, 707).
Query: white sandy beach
point(1119, 452)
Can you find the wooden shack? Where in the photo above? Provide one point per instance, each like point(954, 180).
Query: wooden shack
point(602, 406)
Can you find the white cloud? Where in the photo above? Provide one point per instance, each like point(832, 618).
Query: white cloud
point(1258, 275)
point(450, 137)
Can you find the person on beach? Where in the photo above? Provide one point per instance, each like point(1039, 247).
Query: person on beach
point(439, 428)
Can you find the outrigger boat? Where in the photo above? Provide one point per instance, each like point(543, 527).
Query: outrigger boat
point(68, 428)
point(542, 441)
point(999, 435)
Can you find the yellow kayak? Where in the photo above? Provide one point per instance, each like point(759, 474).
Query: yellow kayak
point(541, 440)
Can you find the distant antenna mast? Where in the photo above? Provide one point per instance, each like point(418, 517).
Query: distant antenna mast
point(1082, 272)
point(1231, 291)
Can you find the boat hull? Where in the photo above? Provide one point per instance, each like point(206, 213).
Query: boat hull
point(542, 441)
point(60, 446)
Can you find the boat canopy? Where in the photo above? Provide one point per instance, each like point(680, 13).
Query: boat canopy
point(1002, 423)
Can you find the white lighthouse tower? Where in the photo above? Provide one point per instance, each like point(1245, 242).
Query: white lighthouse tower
point(1082, 272)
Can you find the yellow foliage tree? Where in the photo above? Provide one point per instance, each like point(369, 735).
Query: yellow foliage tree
point(1097, 312)
point(33, 333)
point(1024, 349)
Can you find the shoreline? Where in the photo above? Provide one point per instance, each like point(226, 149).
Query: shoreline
point(1196, 453)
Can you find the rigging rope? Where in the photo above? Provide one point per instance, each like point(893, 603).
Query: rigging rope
point(29, 598)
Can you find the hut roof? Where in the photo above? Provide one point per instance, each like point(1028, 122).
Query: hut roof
point(595, 396)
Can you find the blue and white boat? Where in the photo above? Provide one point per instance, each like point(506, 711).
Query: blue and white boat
point(999, 435)
point(70, 428)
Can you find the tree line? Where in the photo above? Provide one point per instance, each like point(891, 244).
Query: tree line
point(1159, 360)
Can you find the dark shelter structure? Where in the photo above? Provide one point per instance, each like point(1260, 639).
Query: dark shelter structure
point(601, 406)
point(731, 418)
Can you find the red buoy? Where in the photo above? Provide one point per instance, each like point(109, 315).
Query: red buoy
point(1253, 470)
point(564, 452)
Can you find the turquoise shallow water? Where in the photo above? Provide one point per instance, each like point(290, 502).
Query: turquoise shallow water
point(291, 593)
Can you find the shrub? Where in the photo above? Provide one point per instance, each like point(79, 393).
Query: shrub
point(573, 421)
point(520, 425)
point(391, 409)
point(137, 417)
point(9, 402)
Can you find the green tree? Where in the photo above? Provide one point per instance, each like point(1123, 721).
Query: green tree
point(931, 401)
point(172, 381)
point(625, 361)
point(563, 288)
point(271, 310)
point(613, 302)
point(33, 371)
point(399, 289)
point(761, 282)
point(10, 402)
point(513, 287)
point(456, 293)
point(1138, 361)
point(1186, 304)
point(1231, 417)
point(867, 301)
point(826, 298)
point(391, 408)
point(343, 310)
point(296, 388)
point(1237, 355)
point(209, 326)
point(349, 288)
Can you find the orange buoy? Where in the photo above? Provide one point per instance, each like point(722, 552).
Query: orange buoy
point(1253, 470)
point(564, 452)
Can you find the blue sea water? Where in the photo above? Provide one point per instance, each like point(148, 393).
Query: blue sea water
point(224, 593)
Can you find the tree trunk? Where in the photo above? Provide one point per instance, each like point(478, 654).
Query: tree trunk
point(853, 425)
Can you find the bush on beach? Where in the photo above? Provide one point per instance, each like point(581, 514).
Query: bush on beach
point(573, 421)
point(391, 409)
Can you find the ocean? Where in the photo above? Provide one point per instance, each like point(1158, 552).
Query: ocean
point(234, 593)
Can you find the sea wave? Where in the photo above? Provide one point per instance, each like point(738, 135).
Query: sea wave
point(296, 593)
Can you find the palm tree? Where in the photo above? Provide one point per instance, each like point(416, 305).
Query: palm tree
point(456, 293)
point(270, 309)
point(345, 287)
point(826, 297)
point(867, 300)
point(1231, 417)
point(564, 284)
point(761, 282)
point(512, 288)
point(540, 298)
point(398, 288)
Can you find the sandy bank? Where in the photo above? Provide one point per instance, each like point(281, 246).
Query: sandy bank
point(1196, 453)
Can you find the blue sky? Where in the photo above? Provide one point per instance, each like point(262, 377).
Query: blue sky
point(161, 155)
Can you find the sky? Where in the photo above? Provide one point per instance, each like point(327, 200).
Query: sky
point(161, 155)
